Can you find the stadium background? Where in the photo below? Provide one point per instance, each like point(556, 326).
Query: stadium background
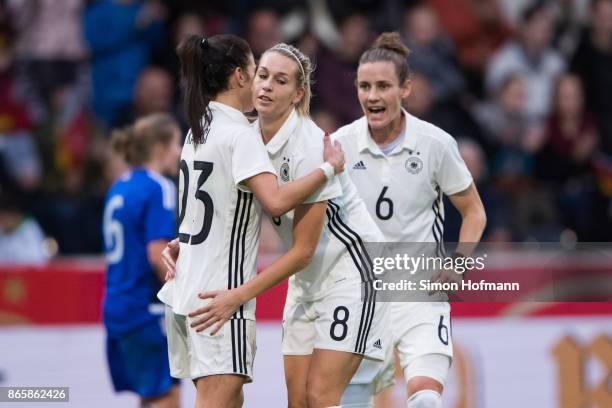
point(524, 86)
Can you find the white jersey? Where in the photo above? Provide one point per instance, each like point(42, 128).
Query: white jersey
point(219, 220)
point(403, 191)
point(296, 150)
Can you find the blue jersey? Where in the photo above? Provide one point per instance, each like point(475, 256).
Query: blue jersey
point(139, 209)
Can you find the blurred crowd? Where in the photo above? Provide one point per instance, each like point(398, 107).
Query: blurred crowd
point(525, 86)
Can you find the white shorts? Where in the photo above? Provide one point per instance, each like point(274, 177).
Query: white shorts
point(340, 321)
point(193, 355)
point(418, 329)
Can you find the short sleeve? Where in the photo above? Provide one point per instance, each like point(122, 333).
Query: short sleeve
point(249, 157)
point(160, 213)
point(453, 175)
point(309, 160)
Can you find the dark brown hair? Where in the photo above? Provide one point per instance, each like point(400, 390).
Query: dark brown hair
point(389, 47)
point(206, 65)
point(134, 143)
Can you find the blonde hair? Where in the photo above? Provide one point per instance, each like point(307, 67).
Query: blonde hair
point(304, 72)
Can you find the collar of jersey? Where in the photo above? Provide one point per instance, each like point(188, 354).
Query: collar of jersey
point(233, 113)
point(365, 142)
point(283, 134)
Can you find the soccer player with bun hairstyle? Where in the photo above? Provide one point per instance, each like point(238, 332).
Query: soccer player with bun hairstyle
point(138, 222)
point(226, 178)
point(402, 166)
point(328, 328)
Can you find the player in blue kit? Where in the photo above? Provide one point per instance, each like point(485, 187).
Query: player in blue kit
point(139, 220)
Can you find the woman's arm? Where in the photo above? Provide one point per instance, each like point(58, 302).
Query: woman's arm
point(307, 227)
point(277, 200)
point(473, 218)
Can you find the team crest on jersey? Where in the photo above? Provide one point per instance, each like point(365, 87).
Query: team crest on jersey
point(414, 165)
point(284, 170)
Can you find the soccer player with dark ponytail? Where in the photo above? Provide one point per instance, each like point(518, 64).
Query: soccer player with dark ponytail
point(226, 179)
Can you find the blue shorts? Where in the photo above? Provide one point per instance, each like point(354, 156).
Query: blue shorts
point(138, 361)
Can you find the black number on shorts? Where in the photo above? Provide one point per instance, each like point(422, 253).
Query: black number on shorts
point(443, 331)
point(341, 322)
point(382, 199)
point(276, 221)
point(206, 169)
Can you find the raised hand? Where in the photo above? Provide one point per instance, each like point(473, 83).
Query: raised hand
point(333, 154)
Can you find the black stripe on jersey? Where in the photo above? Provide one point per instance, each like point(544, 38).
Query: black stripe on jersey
point(363, 254)
point(249, 199)
point(230, 283)
point(235, 277)
point(345, 234)
point(437, 227)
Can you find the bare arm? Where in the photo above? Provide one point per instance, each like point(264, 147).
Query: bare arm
point(307, 226)
point(473, 217)
point(277, 200)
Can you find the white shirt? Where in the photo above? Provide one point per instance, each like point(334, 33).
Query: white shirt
point(295, 150)
point(219, 229)
point(403, 190)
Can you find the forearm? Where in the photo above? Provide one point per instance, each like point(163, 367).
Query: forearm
point(288, 264)
point(472, 227)
point(292, 194)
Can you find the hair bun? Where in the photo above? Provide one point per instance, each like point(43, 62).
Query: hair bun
point(391, 41)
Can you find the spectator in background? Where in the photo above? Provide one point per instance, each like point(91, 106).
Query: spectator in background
point(325, 121)
point(571, 133)
point(21, 238)
point(421, 100)
point(334, 89)
point(512, 135)
point(570, 17)
point(532, 56)
point(432, 54)
point(477, 29)
point(164, 56)
point(121, 35)
point(565, 160)
point(154, 93)
point(50, 50)
point(593, 63)
point(18, 150)
point(263, 31)
point(452, 118)
point(497, 228)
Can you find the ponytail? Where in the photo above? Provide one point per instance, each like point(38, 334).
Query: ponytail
point(206, 65)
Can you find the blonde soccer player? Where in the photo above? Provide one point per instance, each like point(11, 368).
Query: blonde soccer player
point(225, 179)
point(402, 166)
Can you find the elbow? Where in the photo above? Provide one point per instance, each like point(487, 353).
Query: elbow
point(305, 257)
point(275, 209)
